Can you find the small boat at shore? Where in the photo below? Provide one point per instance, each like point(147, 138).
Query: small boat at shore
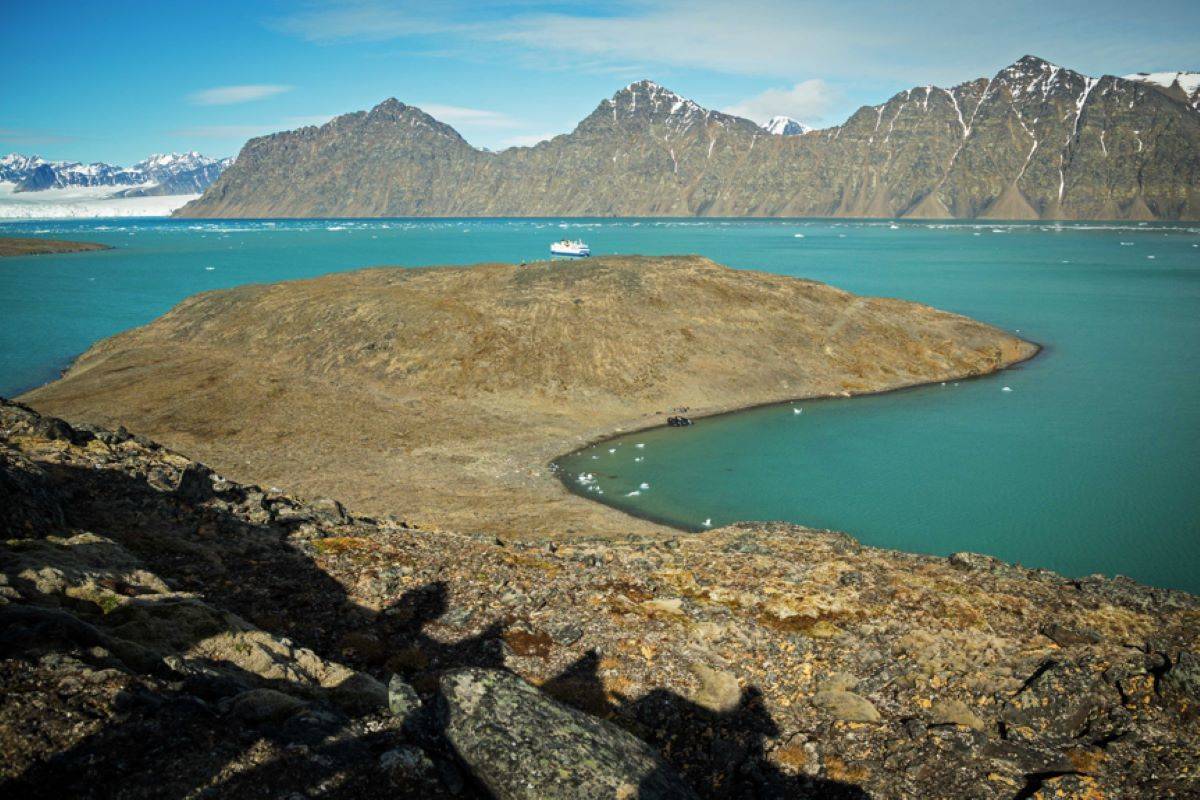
point(571, 248)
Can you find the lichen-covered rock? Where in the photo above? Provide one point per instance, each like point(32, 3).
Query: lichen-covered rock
point(523, 745)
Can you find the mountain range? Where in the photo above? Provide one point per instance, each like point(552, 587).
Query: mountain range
point(1034, 141)
point(160, 174)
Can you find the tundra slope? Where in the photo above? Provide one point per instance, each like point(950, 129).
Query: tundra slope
point(1035, 141)
point(447, 391)
point(168, 632)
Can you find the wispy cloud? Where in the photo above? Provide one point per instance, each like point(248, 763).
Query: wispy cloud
point(229, 95)
point(227, 131)
point(366, 20)
point(808, 101)
point(944, 41)
point(26, 136)
point(477, 117)
point(251, 129)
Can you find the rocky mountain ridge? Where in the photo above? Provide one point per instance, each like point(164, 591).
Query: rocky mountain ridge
point(1035, 141)
point(161, 173)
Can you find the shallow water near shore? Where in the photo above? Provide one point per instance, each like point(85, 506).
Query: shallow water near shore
point(1090, 463)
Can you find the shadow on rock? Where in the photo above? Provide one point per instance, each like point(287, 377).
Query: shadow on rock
point(721, 754)
point(167, 634)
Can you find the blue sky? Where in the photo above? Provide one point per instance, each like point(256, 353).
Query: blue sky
point(116, 81)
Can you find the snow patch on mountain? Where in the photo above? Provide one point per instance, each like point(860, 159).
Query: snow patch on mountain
point(786, 126)
point(1188, 82)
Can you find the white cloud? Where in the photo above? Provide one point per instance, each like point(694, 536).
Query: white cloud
point(363, 21)
point(226, 131)
point(228, 95)
point(526, 140)
point(476, 117)
point(808, 101)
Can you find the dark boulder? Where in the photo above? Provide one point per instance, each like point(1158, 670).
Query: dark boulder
point(523, 745)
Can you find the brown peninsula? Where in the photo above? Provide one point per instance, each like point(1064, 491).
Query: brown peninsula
point(445, 392)
point(34, 246)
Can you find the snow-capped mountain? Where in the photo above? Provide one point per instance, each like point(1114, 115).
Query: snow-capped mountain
point(786, 126)
point(1185, 83)
point(170, 173)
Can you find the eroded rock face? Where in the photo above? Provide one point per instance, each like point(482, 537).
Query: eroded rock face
point(524, 746)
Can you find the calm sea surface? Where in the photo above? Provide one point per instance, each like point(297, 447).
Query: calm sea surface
point(1091, 463)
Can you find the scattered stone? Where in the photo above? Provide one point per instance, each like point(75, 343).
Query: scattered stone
point(564, 633)
point(194, 485)
point(1064, 636)
point(360, 694)
point(1184, 675)
point(669, 606)
point(719, 690)
point(949, 711)
point(846, 706)
point(402, 699)
point(262, 705)
point(409, 767)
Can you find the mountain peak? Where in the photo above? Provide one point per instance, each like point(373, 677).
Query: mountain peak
point(389, 106)
point(654, 99)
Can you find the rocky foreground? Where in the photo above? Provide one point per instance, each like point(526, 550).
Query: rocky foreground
point(446, 392)
point(165, 632)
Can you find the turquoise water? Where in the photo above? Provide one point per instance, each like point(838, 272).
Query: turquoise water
point(1090, 463)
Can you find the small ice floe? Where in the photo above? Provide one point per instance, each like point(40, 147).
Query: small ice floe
point(1150, 257)
point(639, 458)
point(586, 479)
point(1006, 389)
point(612, 449)
point(634, 493)
point(595, 458)
point(797, 235)
point(841, 236)
point(707, 523)
point(797, 410)
point(894, 227)
point(209, 269)
point(1126, 244)
point(1065, 261)
point(977, 233)
point(640, 445)
point(643, 485)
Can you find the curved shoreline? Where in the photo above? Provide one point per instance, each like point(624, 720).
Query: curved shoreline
point(555, 468)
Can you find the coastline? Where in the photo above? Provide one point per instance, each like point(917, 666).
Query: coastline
point(555, 468)
point(456, 432)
